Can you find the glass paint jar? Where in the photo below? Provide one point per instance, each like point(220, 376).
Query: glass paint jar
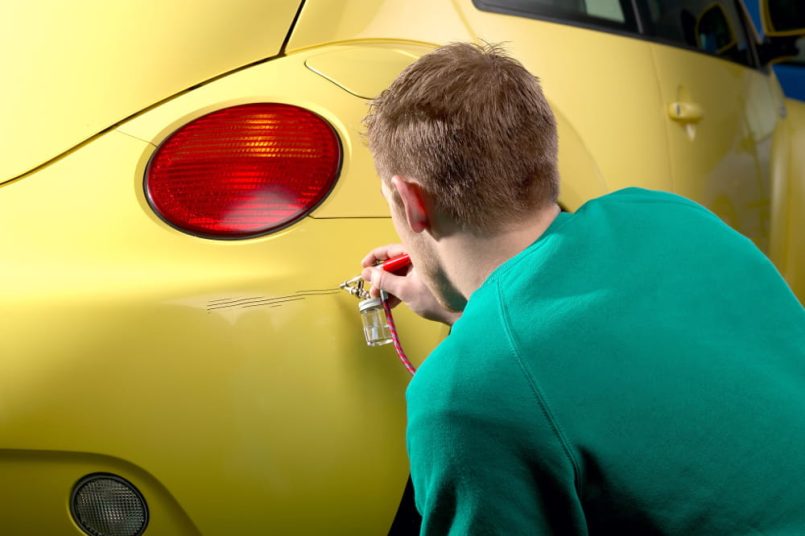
point(375, 326)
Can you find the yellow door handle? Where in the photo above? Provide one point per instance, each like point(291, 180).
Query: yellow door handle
point(685, 112)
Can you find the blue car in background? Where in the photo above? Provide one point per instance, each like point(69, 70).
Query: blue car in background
point(791, 73)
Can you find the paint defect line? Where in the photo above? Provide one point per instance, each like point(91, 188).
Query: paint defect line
point(322, 291)
point(272, 304)
point(256, 301)
point(220, 301)
point(265, 301)
point(314, 294)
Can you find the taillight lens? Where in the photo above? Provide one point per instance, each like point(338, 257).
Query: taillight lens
point(243, 171)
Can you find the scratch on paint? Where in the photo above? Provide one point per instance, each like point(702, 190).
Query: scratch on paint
point(270, 302)
point(259, 301)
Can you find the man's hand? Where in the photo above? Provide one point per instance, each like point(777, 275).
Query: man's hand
point(408, 288)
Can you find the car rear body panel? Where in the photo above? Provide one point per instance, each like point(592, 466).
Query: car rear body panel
point(234, 373)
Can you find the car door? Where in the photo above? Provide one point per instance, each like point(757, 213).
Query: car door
point(718, 110)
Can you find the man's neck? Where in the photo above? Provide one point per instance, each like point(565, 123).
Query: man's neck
point(470, 258)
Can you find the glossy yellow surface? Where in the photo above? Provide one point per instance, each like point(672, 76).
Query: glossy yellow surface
point(228, 380)
point(34, 484)
point(713, 160)
point(72, 69)
point(789, 213)
point(337, 21)
point(346, 67)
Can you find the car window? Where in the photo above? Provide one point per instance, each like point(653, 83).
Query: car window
point(604, 14)
point(791, 73)
point(711, 26)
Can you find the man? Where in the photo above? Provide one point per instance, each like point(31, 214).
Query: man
point(636, 367)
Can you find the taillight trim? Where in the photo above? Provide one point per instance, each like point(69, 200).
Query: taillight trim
point(272, 230)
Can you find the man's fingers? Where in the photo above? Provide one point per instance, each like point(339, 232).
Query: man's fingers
point(392, 300)
point(380, 254)
point(382, 280)
point(375, 276)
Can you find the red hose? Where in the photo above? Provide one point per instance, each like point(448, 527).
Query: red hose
point(394, 338)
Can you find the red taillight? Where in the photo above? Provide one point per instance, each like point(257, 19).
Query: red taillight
point(243, 171)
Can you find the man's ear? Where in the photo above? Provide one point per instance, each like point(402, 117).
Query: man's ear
point(414, 203)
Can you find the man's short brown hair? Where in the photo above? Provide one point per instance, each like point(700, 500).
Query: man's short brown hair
point(472, 125)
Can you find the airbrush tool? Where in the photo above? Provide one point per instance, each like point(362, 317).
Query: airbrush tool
point(376, 317)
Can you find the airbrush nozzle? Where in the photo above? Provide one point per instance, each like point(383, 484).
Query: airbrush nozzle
point(354, 287)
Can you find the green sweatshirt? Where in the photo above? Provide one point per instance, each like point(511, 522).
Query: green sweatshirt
point(639, 369)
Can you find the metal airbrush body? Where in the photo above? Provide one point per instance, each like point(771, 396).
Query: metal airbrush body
point(355, 286)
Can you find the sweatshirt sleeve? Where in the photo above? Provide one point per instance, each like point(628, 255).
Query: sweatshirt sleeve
point(484, 460)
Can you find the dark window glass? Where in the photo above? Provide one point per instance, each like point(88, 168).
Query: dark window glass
point(712, 26)
point(606, 14)
point(787, 15)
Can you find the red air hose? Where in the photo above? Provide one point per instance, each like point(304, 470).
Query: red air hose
point(396, 265)
point(394, 337)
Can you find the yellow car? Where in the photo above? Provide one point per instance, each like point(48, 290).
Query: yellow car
point(183, 185)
